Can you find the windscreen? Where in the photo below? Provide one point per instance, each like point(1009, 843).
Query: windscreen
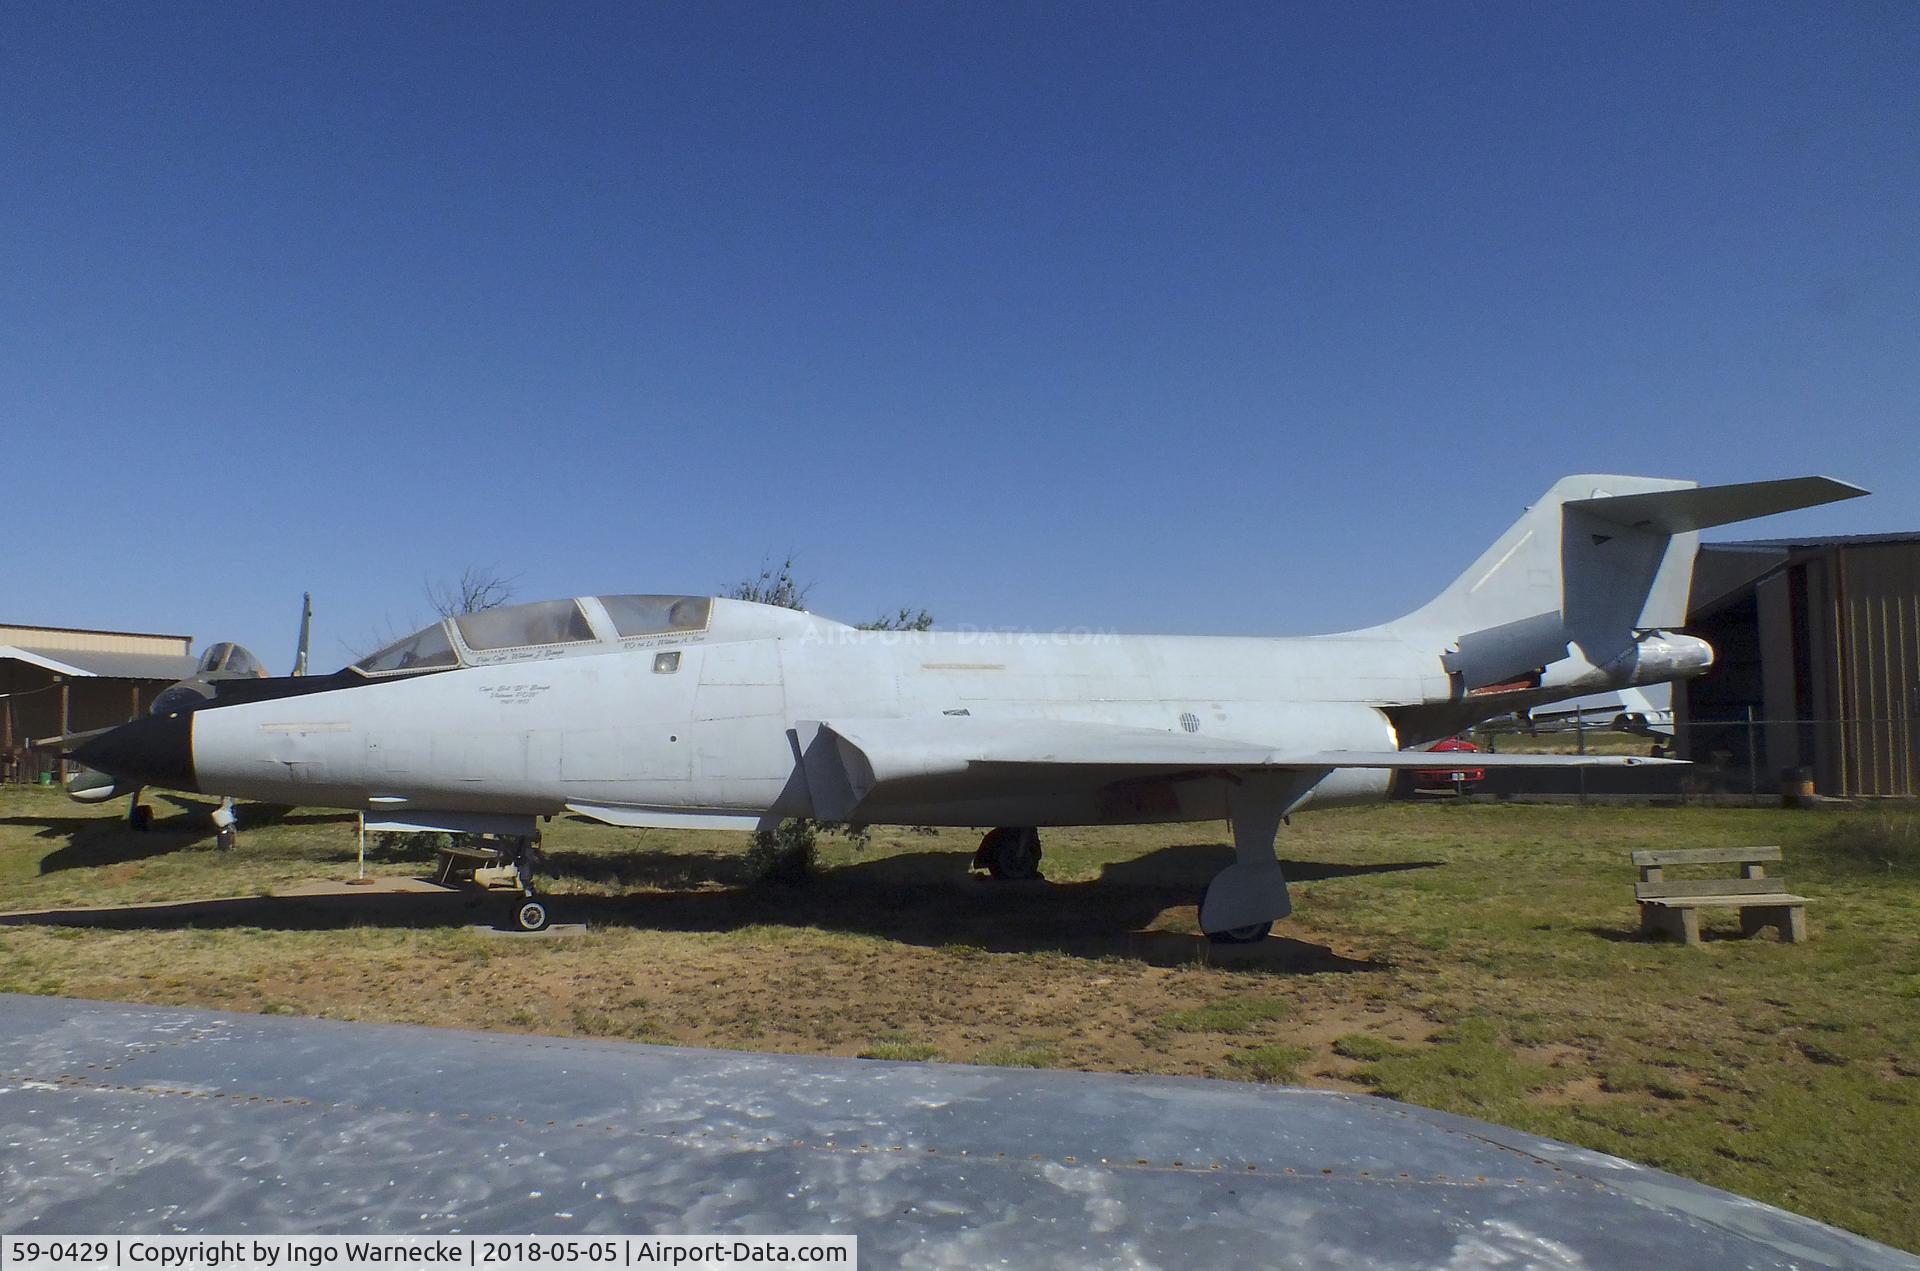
point(421, 651)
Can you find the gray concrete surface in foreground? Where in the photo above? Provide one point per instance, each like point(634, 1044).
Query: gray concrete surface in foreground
point(121, 1118)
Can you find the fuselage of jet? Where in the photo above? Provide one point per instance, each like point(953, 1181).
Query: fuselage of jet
point(704, 727)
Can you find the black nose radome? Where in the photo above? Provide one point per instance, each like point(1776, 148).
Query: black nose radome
point(155, 751)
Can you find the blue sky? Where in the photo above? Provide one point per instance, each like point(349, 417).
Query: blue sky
point(1257, 319)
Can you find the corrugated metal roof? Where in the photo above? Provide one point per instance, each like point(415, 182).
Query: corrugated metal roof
point(1830, 540)
point(144, 635)
point(106, 666)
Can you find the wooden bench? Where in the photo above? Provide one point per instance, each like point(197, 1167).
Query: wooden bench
point(1672, 906)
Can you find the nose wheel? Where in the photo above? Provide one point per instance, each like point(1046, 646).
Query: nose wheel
point(1010, 852)
point(529, 912)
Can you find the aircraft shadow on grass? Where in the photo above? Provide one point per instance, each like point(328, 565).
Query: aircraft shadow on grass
point(918, 898)
point(99, 840)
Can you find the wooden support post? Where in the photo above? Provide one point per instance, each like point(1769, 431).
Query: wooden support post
point(66, 726)
point(1580, 734)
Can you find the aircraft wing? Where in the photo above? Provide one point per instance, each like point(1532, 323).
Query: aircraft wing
point(930, 1164)
point(848, 760)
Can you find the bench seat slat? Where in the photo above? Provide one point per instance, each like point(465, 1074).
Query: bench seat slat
point(1684, 887)
point(1769, 901)
point(1708, 856)
point(472, 853)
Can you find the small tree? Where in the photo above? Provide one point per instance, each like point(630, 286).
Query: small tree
point(773, 585)
point(787, 853)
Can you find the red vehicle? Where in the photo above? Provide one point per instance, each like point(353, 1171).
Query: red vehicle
point(1460, 779)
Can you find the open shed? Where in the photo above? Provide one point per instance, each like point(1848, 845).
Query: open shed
point(57, 680)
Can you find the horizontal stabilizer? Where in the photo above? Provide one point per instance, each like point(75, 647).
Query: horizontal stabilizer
point(1702, 507)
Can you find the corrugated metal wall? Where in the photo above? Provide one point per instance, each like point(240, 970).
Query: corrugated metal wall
point(1872, 664)
point(95, 641)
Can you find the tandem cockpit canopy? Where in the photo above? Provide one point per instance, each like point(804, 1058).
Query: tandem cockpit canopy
point(543, 629)
point(228, 658)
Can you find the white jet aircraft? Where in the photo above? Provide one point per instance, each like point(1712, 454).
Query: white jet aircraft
point(644, 710)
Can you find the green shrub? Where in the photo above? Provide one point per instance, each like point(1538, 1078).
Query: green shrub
point(785, 854)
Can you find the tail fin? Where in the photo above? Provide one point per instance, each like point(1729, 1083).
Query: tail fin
point(306, 634)
point(1596, 560)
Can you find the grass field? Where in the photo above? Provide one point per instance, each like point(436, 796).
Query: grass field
point(1475, 958)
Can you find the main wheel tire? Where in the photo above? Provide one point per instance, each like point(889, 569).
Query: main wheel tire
point(1011, 853)
point(1251, 934)
point(530, 915)
point(225, 838)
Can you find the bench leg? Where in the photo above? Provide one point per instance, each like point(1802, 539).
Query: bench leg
point(1670, 920)
point(1789, 920)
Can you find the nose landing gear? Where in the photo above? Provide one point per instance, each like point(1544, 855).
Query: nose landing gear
point(530, 914)
point(500, 867)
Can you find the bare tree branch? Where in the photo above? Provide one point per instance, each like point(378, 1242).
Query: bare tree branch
point(480, 587)
point(905, 620)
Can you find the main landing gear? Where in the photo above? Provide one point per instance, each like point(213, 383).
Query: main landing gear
point(1010, 853)
point(1252, 933)
point(226, 832)
point(1244, 900)
point(226, 822)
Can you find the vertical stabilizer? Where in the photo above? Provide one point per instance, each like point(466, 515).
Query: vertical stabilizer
point(1596, 561)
